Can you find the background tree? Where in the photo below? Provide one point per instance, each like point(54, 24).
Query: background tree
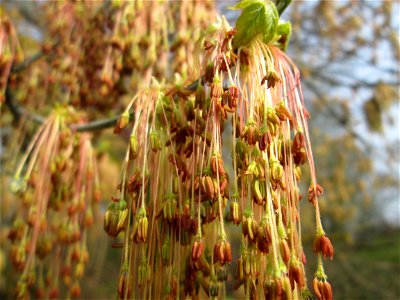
point(348, 52)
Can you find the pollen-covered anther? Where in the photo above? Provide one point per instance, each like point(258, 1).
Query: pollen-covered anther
point(249, 228)
point(140, 226)
point(258, 189)
point(234, 212)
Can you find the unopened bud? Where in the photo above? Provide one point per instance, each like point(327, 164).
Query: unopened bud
point(134, 146)
point(155, 141)
point(122, 122)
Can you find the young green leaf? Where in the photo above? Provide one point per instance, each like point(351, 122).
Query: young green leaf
point(284, 31)
point(249, 24)
point(271, 23)
point(257, 18)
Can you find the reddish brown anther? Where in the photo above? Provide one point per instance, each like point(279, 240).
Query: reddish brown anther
point(303, 258)
point(222, 252)
point(134, 183)
point(75, 290)
point(296, 274)
point(314, 192)
point(273, 289)
point(272, 79)
point(197, 249)
point(323, 245)
point(207, 186)
point(298, 149)
point(228, 252)
point(209, 75)
point(327, 291)
point(251, 133)
point(192, 225)
point(54, 293)
point(17, 230)
point(124, 289)
point(264, 239)
point(217, 166)
point(40, 293)
point(322, 289)
point(285, 251)
point(224, 186)
point(264, 139)
point(233, 97)
point(244, 57)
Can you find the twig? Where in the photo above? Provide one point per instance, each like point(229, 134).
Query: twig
point(18, 111)
point(27, 62)
point(340, 119)
point(96, 125)
point(281, 5)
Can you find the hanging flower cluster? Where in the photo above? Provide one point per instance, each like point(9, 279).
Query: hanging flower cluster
point(176, 196)
point(10, 49)
point(58, 184)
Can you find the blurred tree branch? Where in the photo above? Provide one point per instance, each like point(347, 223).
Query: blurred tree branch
point(17, 111)
point(35, 57)
point(340, 119)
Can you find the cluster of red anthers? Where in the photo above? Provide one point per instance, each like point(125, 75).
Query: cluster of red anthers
point(176, 194)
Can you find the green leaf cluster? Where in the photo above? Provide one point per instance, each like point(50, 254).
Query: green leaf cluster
point(259, 18)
